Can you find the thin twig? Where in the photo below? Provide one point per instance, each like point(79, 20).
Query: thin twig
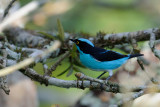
point(8, 8)
point(152, 45)
point(134, 96)
point(45, 67)
point(137, 50)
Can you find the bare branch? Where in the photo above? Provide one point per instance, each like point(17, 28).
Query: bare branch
point(126, 37)
point(106, 40)
point(68, 83)
point(24, 38)
point(28, 61)
point(3, 80)
point(109, 87)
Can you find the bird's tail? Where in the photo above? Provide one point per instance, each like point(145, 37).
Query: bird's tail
point(135, 55)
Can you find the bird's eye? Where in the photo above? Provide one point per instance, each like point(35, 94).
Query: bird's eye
point(77, 42)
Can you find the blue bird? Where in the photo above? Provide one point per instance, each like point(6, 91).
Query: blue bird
point(100, 59)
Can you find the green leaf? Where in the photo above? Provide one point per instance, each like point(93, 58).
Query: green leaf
point(77, 69)
point(47, 35)
point(64, 71)
point(70, 71)
point(60, 30)
point(74, 51)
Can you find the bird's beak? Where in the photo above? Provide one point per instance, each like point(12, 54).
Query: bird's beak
point(73, 40)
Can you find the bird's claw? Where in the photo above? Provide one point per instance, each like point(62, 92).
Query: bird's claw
point(80, 85)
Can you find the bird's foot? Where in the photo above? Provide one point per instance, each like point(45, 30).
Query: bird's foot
point(108, 78)
point(106, 81)
point(91, 83)
point(101, 86)
point(80, 85)
point(77, 83)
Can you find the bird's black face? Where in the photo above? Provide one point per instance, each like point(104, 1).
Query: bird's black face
point(82, 45)
point(76, 41)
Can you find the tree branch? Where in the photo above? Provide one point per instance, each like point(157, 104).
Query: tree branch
point(126, 37)
point(26, 62)
point(109, 87)
point(3, 80)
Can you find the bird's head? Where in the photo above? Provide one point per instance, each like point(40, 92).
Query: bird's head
point(83, 45)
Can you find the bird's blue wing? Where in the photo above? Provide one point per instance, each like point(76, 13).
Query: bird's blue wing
point(106, 55)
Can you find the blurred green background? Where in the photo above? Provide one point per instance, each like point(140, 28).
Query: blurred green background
point(88, 16)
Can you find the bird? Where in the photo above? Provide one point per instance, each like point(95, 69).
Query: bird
point(99, 59)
